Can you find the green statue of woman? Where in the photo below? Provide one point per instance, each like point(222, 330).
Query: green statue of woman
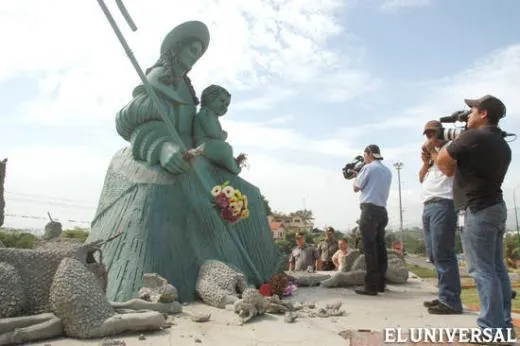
point(207, 129)
point(154, 197)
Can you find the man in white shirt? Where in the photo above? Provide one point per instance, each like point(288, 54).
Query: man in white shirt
point(337, 258)
point(440, 225)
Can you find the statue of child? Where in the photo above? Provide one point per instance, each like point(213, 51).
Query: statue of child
point(208, 131)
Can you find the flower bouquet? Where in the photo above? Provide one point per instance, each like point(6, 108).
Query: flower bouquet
point(280, 285)
point(231, 203)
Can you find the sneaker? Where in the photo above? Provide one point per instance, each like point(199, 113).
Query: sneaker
point(442, 309)
point(431, 303)
point(365, 292)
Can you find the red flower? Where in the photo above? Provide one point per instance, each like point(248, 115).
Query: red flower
point(221, 200)
point(227, 214)
point(266, 290)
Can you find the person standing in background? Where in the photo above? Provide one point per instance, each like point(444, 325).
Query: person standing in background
point(326, 249)
point(440, 225)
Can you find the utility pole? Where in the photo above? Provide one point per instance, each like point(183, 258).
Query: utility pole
point(398, 166)
point(3, 167)
point(516, 215)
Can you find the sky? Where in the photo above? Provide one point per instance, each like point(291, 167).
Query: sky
point(312, 82)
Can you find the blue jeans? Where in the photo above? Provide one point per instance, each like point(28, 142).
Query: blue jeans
point(482, 239)
point(427, 239)
point(440, 221)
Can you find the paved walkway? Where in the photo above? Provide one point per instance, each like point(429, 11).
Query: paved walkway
point(401, 307)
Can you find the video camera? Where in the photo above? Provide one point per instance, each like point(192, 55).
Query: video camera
point(353, 167)
point(450, 134)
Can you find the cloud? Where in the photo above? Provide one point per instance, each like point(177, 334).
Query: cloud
point(397, 4)
point(269, 99)
point(269, 54)
point(497, 73)
point(82, 72)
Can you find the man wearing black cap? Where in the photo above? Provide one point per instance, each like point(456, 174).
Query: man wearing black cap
point(326, 249)
point(479, 158)
point(373, 182)
point(440, 226)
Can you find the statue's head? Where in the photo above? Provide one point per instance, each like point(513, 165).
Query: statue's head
point(180, 50)
point(186, 43)
point(216, 98)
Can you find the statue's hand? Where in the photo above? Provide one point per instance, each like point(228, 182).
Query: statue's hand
point(172, 159)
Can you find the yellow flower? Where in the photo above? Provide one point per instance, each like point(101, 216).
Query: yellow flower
point(244, 199)
point(238, 194)
point(229, 191)
point(216, 190)
point(244, 214)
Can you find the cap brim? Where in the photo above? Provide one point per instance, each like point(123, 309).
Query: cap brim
point(428, 129)
point(471, 103)
point(377, 156)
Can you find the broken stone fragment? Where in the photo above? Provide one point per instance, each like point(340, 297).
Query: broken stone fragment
point(334, 306)
point(156, 289)
point(290, 317)
point(201, 318)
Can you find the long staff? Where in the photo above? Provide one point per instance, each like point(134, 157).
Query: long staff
point(149, 89)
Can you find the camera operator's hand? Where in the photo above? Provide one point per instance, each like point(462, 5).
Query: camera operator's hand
point(425, 155)
point(431, 146)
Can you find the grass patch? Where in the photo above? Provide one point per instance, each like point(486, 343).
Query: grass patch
point(421, 272)
point(469, 297)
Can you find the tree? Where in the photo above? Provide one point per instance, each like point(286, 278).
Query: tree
point(267, 207)
point(304, 214)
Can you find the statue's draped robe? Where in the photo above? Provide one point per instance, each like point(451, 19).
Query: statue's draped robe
point(168, 222)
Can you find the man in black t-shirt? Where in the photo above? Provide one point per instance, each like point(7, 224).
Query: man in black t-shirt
point(479, 158)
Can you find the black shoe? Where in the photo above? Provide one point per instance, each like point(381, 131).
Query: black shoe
point(431, 303)
point(442, 309)
point(382, 290)
point(365, 292)
point(513, 294)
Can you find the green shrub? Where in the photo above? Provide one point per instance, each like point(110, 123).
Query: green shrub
point(17, 239)
point(76, 233)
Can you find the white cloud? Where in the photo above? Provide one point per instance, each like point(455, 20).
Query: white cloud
point(274, 50)
point(83, 72)
point(397, 4)
point(497, 73)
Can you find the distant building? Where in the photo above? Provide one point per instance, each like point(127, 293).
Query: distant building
point(278, 230)
point(280, 224)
